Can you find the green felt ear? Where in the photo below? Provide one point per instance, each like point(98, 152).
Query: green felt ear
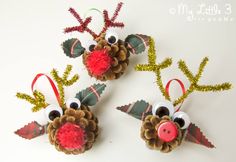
point(91, 95)
point(138, 109)
point(73, 48)
point(137, 43)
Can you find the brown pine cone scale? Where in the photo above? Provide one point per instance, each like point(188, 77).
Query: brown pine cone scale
point(119, 55)
point(149, 130)
point(75, 131)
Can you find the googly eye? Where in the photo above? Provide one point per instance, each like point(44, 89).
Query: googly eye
point(52, 112)
point(111, 37)
point(73, 103)
point(163, 108)
point(182, 119)
point(91, 45)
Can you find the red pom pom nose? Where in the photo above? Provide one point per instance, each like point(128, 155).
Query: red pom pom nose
point(98, 62)
point(167, 131)
point(71, 136)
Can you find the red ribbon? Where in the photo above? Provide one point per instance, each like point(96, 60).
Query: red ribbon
point(54, 88)
point(182, 88)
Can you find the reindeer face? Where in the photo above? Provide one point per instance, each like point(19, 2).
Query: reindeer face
point(72, 127)
point(73, 130)
point(106, 56)
point(164, 129)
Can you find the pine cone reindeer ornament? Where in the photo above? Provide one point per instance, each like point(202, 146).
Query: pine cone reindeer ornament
point(164, 126)
point(106, 57)
point(72, 128)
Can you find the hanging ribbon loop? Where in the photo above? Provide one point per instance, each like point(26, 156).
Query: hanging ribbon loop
point(92, 9)
point(167, 88)
point(54, 88)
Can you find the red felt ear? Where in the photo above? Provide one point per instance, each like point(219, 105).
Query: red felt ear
point(31, 130)
point(195, 135)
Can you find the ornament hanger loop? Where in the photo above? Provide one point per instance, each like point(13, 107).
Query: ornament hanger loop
point(182, 88)
point(54, 88)
point(92, 9)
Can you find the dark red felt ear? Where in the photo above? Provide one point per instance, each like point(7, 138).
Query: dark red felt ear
point(73, 48)
point(195, 135)
point(31, 130)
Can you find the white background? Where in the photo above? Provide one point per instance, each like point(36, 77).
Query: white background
point(30, 36)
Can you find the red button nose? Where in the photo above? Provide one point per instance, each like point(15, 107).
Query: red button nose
point(167, 131)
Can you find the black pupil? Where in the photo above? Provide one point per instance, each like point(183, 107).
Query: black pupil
point(91, 47)
point(53, 114)
point(162, 111)
point(74, 105)
point(180, 121)
point(112, 39)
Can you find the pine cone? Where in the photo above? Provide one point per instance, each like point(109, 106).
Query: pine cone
point(83, 121)
point(118, 53)
point(149, 128)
